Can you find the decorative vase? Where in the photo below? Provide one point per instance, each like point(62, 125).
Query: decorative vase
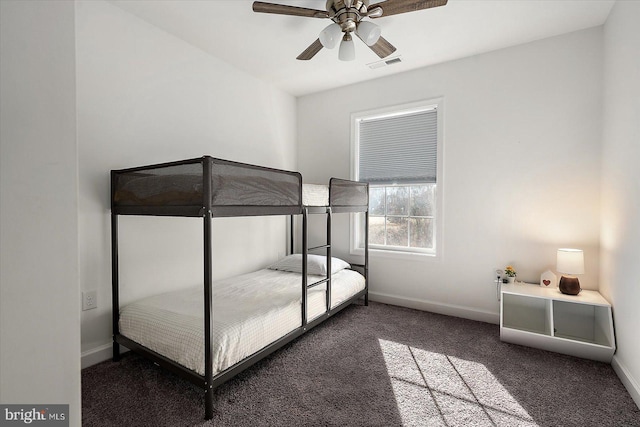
point(511, 279)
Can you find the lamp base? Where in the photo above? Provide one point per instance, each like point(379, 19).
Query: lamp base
point(569, 285)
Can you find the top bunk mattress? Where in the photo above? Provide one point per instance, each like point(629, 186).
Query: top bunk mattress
point(250, 312)
point(315, 195)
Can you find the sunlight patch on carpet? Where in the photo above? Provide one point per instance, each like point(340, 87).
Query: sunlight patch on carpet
point(433, 389)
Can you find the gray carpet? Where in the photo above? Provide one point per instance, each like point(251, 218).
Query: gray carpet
point(374, 366)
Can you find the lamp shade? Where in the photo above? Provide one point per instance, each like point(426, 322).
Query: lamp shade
point(347, 50)
point(368, 32)
point(570, 261)
point(330, 36)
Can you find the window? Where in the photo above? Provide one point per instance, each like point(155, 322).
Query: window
point(397, 150)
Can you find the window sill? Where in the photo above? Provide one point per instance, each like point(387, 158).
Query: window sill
point(407, 256)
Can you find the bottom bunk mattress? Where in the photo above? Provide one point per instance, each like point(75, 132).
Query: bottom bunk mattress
point(250, 312)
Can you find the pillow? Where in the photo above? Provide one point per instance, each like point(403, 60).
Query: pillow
point(316, 264)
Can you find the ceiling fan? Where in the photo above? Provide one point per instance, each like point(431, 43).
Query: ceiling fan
point(347, 17)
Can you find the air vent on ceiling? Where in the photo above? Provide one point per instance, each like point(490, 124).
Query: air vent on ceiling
point(385, 62)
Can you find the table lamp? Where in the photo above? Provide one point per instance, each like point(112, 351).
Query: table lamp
point(570, 262)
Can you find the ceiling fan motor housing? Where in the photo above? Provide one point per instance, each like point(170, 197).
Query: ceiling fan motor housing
point(347, 13)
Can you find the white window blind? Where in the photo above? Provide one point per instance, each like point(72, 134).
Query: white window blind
point(401, 148)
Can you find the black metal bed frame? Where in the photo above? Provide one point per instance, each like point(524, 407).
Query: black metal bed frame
point(207, 211)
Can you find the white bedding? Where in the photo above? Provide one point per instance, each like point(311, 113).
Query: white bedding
point(250, 312)
point(315, 195)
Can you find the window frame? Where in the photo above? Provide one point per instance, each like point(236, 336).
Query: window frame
point(357, 221)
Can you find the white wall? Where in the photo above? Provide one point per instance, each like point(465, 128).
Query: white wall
point(521, 166)
point(144, 97)
point(620, 276)
point(39, 292)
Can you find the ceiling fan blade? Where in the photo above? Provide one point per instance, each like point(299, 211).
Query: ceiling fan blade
point(394, 7)
point(311, 51)
point(282, 9)
point(383, 48)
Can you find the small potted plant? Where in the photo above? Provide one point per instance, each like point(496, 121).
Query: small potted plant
point(511, 274)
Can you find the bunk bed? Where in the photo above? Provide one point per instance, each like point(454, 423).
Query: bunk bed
point(305, 288)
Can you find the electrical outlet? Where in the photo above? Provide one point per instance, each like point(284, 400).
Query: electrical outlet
point(89, 300)
point(497, 274)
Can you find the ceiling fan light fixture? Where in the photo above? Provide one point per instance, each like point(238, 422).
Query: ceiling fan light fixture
point(330, 36)
point(368, 32)
point(347, 50)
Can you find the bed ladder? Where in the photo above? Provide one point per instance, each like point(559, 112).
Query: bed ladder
point(305, 251)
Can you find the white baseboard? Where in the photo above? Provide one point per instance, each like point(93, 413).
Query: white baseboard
point(437, 307)
point(98, 354)
point(629, 382)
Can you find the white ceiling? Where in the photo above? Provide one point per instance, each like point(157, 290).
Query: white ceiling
point(266, 45)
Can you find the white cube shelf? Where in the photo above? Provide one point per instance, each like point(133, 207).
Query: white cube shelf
point(578, 325)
